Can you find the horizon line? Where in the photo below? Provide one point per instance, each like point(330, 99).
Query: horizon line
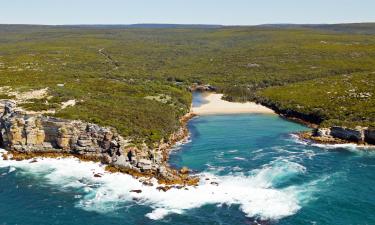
point(182, 24)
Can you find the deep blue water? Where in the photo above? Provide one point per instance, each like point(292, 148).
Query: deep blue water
point(263, 174)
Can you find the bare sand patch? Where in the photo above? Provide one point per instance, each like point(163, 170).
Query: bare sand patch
point(68, 103)
point(216, 105)
point(33, 94)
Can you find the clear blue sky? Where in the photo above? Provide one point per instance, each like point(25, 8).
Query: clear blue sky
point(226, 12)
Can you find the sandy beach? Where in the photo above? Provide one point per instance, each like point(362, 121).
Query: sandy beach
point(216, 105)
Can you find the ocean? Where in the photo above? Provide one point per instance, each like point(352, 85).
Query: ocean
point(253, 170)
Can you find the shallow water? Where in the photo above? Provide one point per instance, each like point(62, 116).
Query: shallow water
point(198, 99)
point(253, 170)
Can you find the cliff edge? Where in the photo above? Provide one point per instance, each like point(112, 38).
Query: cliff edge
point(27, 136)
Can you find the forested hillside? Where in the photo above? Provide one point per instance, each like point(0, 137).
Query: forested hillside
point(136, 79)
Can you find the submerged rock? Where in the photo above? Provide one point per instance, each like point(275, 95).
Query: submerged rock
point(34, 161)
point(164, 188)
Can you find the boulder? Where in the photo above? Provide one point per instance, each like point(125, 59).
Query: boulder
point(146, 183)
point(164, 188)
point(184, 170)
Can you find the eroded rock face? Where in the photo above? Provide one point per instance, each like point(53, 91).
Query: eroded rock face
point(359, 134)
point(25, 133)
point(31, 134)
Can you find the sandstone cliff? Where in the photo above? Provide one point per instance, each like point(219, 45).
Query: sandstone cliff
point(38, 135)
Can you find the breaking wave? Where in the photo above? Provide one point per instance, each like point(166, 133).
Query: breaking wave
point(256, 193)
point(349, 146)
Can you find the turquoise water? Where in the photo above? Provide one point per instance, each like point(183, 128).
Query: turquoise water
point(333, 184)
point(253, 171)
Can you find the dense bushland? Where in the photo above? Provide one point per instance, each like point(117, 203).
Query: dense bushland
point(136, 79)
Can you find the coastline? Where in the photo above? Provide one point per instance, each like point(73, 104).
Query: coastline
point(49, 137)
point(170, 176)
point(329, 140)
point(215, 105)
point(360, 136)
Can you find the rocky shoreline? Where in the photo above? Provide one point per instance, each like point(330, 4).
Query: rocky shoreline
point(27, 136)
point(324, 135)
point(341, 135)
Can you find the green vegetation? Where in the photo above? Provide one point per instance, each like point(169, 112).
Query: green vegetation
point(136, 79)
point(346, 100)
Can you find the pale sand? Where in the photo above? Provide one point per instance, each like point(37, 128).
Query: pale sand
point(216, 105)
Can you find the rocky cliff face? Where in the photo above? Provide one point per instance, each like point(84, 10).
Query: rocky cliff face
point(37, 135)
point(359, 135)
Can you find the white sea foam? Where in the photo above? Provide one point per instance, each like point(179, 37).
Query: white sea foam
point(233, 151)
point(277, 171)
point(258, 151)
point(349, 146)
point(239, 158)
point(11, 169)
point(295, 138)
point(256, 194)
point(178, 144)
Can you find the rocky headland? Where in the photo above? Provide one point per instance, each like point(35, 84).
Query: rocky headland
point(325, 135)
point(340, 135)
point(27, 136)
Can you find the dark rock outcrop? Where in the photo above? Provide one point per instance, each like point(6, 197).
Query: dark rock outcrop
point(336, 134)
point(349, 134)
point(370, 136)
point(202, 88)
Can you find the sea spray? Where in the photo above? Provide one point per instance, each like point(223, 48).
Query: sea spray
point(255, 193)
